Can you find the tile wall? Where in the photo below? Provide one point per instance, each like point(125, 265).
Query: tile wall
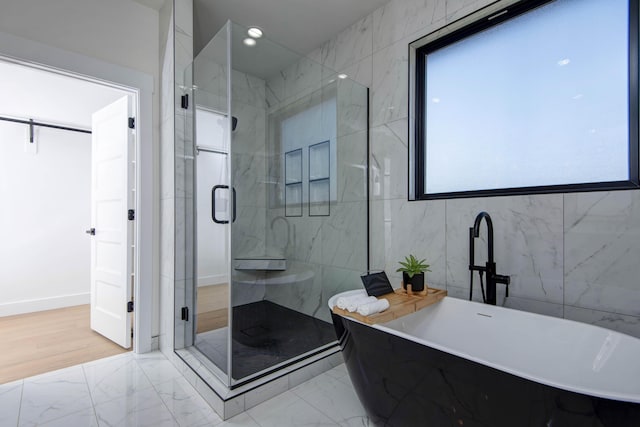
point(569, 255)
point(328, 253)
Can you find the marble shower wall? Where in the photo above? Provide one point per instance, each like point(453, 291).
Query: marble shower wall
point(569, 255)
point(248, 164)
point(248, 169)
point(327, 253)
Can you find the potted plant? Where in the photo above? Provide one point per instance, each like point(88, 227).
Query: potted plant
point(413, 273)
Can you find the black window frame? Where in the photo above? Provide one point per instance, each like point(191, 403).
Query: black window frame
point(417, 182)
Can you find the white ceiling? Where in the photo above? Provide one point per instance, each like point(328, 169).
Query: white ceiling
point(300, 25)
point(31, 93)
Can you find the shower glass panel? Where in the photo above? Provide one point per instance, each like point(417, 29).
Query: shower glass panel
point(281, 147)
point(213, 204)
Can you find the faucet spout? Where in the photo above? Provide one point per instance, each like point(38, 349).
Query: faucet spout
point(490, 266)
point(476, 231)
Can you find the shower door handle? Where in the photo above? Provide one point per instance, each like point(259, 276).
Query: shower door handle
point(213, 204)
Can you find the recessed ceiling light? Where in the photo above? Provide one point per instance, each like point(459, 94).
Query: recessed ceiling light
point(249, 41)
point(342, 76)
point(254, 32)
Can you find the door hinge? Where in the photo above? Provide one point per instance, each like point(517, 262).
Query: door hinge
point(132, 123)
point(131, 214)
point(185, 313)
point(130, 307)
point(184, 101)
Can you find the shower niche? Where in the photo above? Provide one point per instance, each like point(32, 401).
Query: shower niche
point(274, 175)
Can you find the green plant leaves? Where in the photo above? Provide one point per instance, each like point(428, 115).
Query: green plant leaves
point(412, 266)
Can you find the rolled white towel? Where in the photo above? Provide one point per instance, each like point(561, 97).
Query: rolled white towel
point(343, 302)
point(373, 307)
point(354, 304)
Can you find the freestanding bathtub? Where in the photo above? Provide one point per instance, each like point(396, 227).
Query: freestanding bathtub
point(461, 363)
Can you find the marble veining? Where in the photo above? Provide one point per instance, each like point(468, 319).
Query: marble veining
point(330, 392)
point(114, 377)
point(336, 280)
point(527, 241)
point(301, 78)
point(342, 233)
point(360, 71)
point(602, 235)
point(247, 238)
point(211, 77)
point(388, 161)
point(352, 164)
point(10, 396)
point(187, 408)
point(401, 18)
point(53, 395)
point(247, 89)
point(457, 9)
point(390, 85)
point(142, 408)
point(303, 295)
point(317, 397)
point(392, 239)
point(618, 322)
point(352, 108)
point(288, 409)
point(352, 44)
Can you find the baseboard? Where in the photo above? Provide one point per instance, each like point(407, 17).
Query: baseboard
point(30, 306)
point(215, 279)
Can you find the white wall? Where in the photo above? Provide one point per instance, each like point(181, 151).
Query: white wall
point(118, 32)
point(44, 251)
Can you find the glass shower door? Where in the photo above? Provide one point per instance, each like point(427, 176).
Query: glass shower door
point(277, 313)
point(213, 207)
point(279, 203)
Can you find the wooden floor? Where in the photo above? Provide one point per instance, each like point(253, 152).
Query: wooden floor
point(212, 307)
point(44, 341)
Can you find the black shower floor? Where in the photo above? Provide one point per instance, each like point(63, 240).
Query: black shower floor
point(264, 334)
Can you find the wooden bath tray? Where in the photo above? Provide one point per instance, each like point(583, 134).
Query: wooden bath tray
point(400, 304)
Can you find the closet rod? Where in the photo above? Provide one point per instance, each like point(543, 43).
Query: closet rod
point(46, 125)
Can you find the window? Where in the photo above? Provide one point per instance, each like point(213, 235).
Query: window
point(539, 97)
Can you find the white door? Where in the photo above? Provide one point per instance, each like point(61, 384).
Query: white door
point(111, 255)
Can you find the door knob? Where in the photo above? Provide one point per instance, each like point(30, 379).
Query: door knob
point(91, 231)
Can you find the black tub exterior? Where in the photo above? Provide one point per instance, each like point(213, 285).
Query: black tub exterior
point(404, 384)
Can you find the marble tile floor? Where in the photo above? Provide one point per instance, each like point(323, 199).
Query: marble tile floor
point(146, 390)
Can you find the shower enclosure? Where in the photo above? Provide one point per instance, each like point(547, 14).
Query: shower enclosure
point(273, 169)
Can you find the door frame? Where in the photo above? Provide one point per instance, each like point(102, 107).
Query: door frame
point(140, 85)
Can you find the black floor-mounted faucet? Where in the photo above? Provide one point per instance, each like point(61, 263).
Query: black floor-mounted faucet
point(490, 266)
